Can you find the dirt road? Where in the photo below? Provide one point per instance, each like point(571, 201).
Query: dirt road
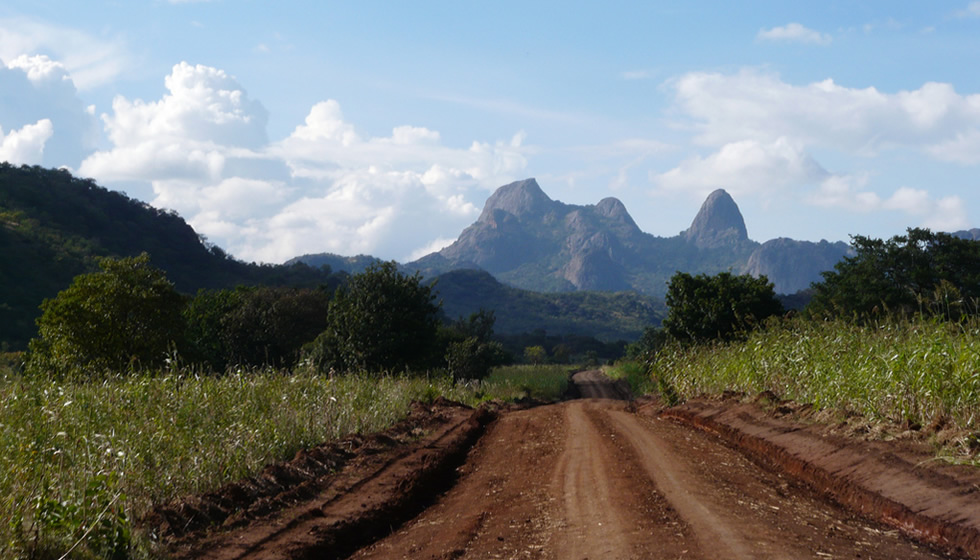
point(591, 478)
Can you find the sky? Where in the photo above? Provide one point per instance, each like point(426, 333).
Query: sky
point(278, 129)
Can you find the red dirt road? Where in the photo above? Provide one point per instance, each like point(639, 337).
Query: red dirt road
point(589, 479)
point(592, 478)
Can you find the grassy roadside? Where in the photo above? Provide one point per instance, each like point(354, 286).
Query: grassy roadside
point(80, 461)
point(913, 374)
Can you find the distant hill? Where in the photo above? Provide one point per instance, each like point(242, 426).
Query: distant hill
point(526, 239)
point(337, 263)
point(606, 316)
point(53, 226)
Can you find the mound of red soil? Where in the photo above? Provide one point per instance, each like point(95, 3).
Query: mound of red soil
point(900, 485)
point(330, 499)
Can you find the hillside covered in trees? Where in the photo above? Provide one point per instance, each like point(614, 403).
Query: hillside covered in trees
point(54, 226)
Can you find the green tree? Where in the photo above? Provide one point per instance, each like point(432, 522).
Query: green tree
point(535, 355)
point(380, 321)
point(919, 271)
point(471, 353)
point(251, 326)
point(127, 315)
point(722, 306)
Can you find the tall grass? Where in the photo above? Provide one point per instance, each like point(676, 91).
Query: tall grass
point(80, 461)
point(904, 372)
point(543, 382)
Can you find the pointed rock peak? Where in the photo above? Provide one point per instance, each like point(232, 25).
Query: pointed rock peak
point(519, 198)
point(718, 223)
point(614, 209)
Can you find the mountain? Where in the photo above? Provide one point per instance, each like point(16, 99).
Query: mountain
point(526, 239)
point(54, 226)
point(719, 223)
point(790, 264)
point(337, 263)
point(605, 316)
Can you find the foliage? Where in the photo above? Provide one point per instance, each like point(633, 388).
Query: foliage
point(920, 271)
point(907, 372)
point(54, 226)
point(70, 451)
point(124, 316)
point(648, 345)
point(602, 315)
point(722, 306)
point(535, 355)
point(381, 320)
point(570, 348)
point(253, 326)
point(542, 382)
point(470, 352)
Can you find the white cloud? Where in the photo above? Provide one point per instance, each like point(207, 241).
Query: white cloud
point(794, 32)
point(972, 10)
point(35, 89)
point(325, 187)
point(744, 167)
point(91, 61)
point(433, 247)
point(945, 214)
point(760, 106)
point(25, 146)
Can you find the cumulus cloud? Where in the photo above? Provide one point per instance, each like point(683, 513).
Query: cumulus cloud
point(25, 146)
point(755, 105)
point(848, 193)
point(91, 61)
point(794, 32)
point(744, 167)
point(37, 89)
point(763, 131)
point(203, 149)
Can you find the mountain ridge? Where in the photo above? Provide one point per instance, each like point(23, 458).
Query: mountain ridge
point(528, 240)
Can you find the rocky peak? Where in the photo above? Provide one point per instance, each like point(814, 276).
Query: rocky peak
point(719, 223)
point(614, 209)
point(520, 198)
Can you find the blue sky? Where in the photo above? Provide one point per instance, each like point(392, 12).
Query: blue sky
point(283, 128)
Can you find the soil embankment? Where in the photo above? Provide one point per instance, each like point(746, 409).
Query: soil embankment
point(596, 477)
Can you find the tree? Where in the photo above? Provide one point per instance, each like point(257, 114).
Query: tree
point(127, 315)
point(470, 352)
point(722, 306)
point(535, 355)
point(251, 326)
point(380, 321)
point(905, 274)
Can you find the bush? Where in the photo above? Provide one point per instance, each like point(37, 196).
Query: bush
point(381, 321)
point(126, 316)
point(253, 326)
point(936, 273)
point(723, 306)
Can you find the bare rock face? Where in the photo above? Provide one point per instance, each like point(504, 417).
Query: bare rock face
point(526, 239)
point(718, 224)
point(793, 265)
point(521, 199)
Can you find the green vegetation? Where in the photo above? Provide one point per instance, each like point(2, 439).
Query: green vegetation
point(70, 451)
point(252, 326)
point(912, 373)
point(541, 382)
point(381, 320)
point(124, 316)
point(602, 315)
point(722, 306)
point(471, 351)
point(54, 226)
point(922, 271)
